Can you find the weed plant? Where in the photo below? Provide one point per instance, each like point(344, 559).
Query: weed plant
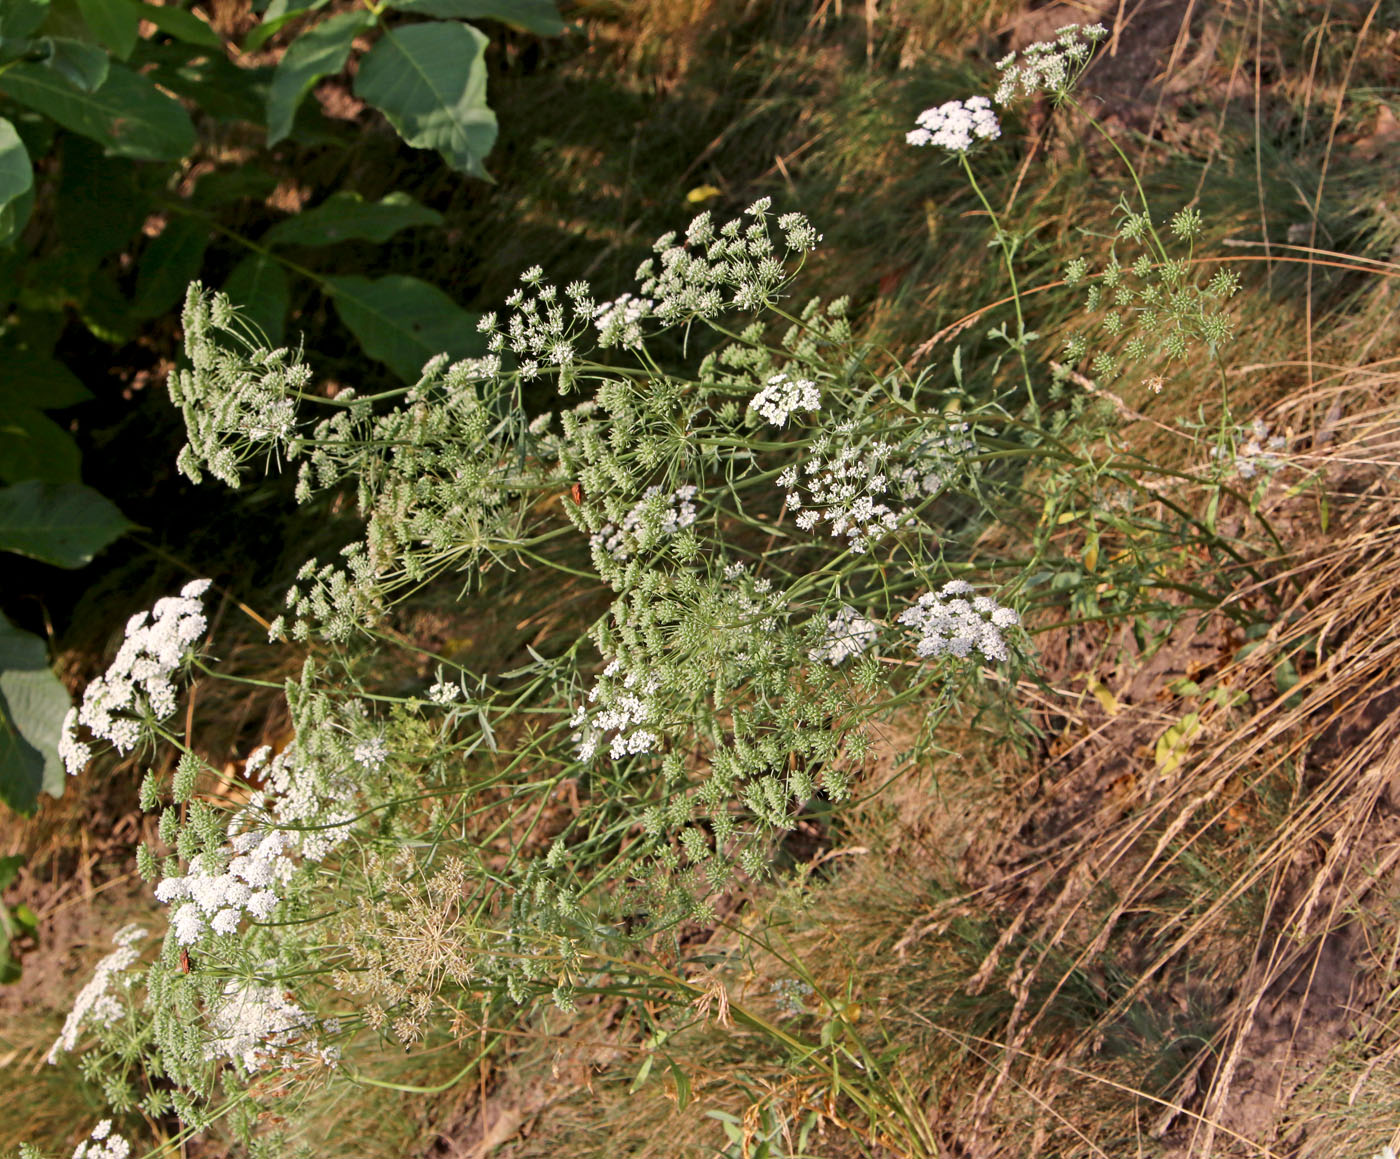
point(762, 537)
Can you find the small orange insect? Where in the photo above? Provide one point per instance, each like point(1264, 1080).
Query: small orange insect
point(184, 961)
point(576, 493)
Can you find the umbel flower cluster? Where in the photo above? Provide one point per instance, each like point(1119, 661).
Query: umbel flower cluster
point(138, 690)
point(722, 560)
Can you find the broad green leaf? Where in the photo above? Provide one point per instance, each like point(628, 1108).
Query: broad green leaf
point(279, 14)
point(404, 322)
point(33, 446)
point(100, 204)
point(318, 52)
point(181, 25)
point(16, 182)
point(20, 18)
point(128, 114)
point(168, 265)
point(258, 285)
point(64, 524)
point(538, 16)
point(15, 216)
point(209, 80)
point(226, 185)
point(84, 66)
point(430, 81)
point(116, 23)
point(33, 704)
point(30, 378)
point(347, 216)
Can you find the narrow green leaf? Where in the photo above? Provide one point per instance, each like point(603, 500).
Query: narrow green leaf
point(33, 446)
point(430, 81)
point(33, 704)
point(208, 80)
point(16, 181)
point(128, 114)
point(182, 25)
point(682, 1087)
point(279, 14)
point(116, 23)
point(258, 285)
point(64, 524)
point(347, 216)
point(404, 322)
point(84, 66)
point(318, 52)
point(538, 16)
point(168, 265)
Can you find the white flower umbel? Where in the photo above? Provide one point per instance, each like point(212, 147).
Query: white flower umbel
point(371, 753)
point(783, 397)
point(295, 815)
point(619, 322)
point(1050, 66)
point(848, 634)
point(956, 125)
point(950, 625)
point(103, 1143)
point(253, 1024)
point(137, 690)
point(624, 705)
point(655, 517)
point(96, 1004)
point(842, 480)
point(444, 694)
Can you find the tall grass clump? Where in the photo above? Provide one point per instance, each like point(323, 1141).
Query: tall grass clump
point(749, 538)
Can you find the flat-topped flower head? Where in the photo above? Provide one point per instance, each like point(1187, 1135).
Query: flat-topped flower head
point(956, 125)
point(1049, 66)
point(784, 397)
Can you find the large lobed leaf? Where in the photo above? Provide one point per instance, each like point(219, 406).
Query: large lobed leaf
point(430, 81)
point(318, 52)
point(32, 706)
point(538, 16)
point(404, 322)
point(64, 524)
point(127, 114)
point(346, 216)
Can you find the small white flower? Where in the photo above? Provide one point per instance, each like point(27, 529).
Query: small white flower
point(784, 397)
point(371, 754)
point(848, 634)
point(444, 694)
point(956, 125)
point(948, 624)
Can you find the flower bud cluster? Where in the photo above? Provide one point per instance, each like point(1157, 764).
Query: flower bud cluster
point(239, 397)
point(1050, 66)
point(655, 517)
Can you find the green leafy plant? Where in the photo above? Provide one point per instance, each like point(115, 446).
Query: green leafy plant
point(16, 923)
